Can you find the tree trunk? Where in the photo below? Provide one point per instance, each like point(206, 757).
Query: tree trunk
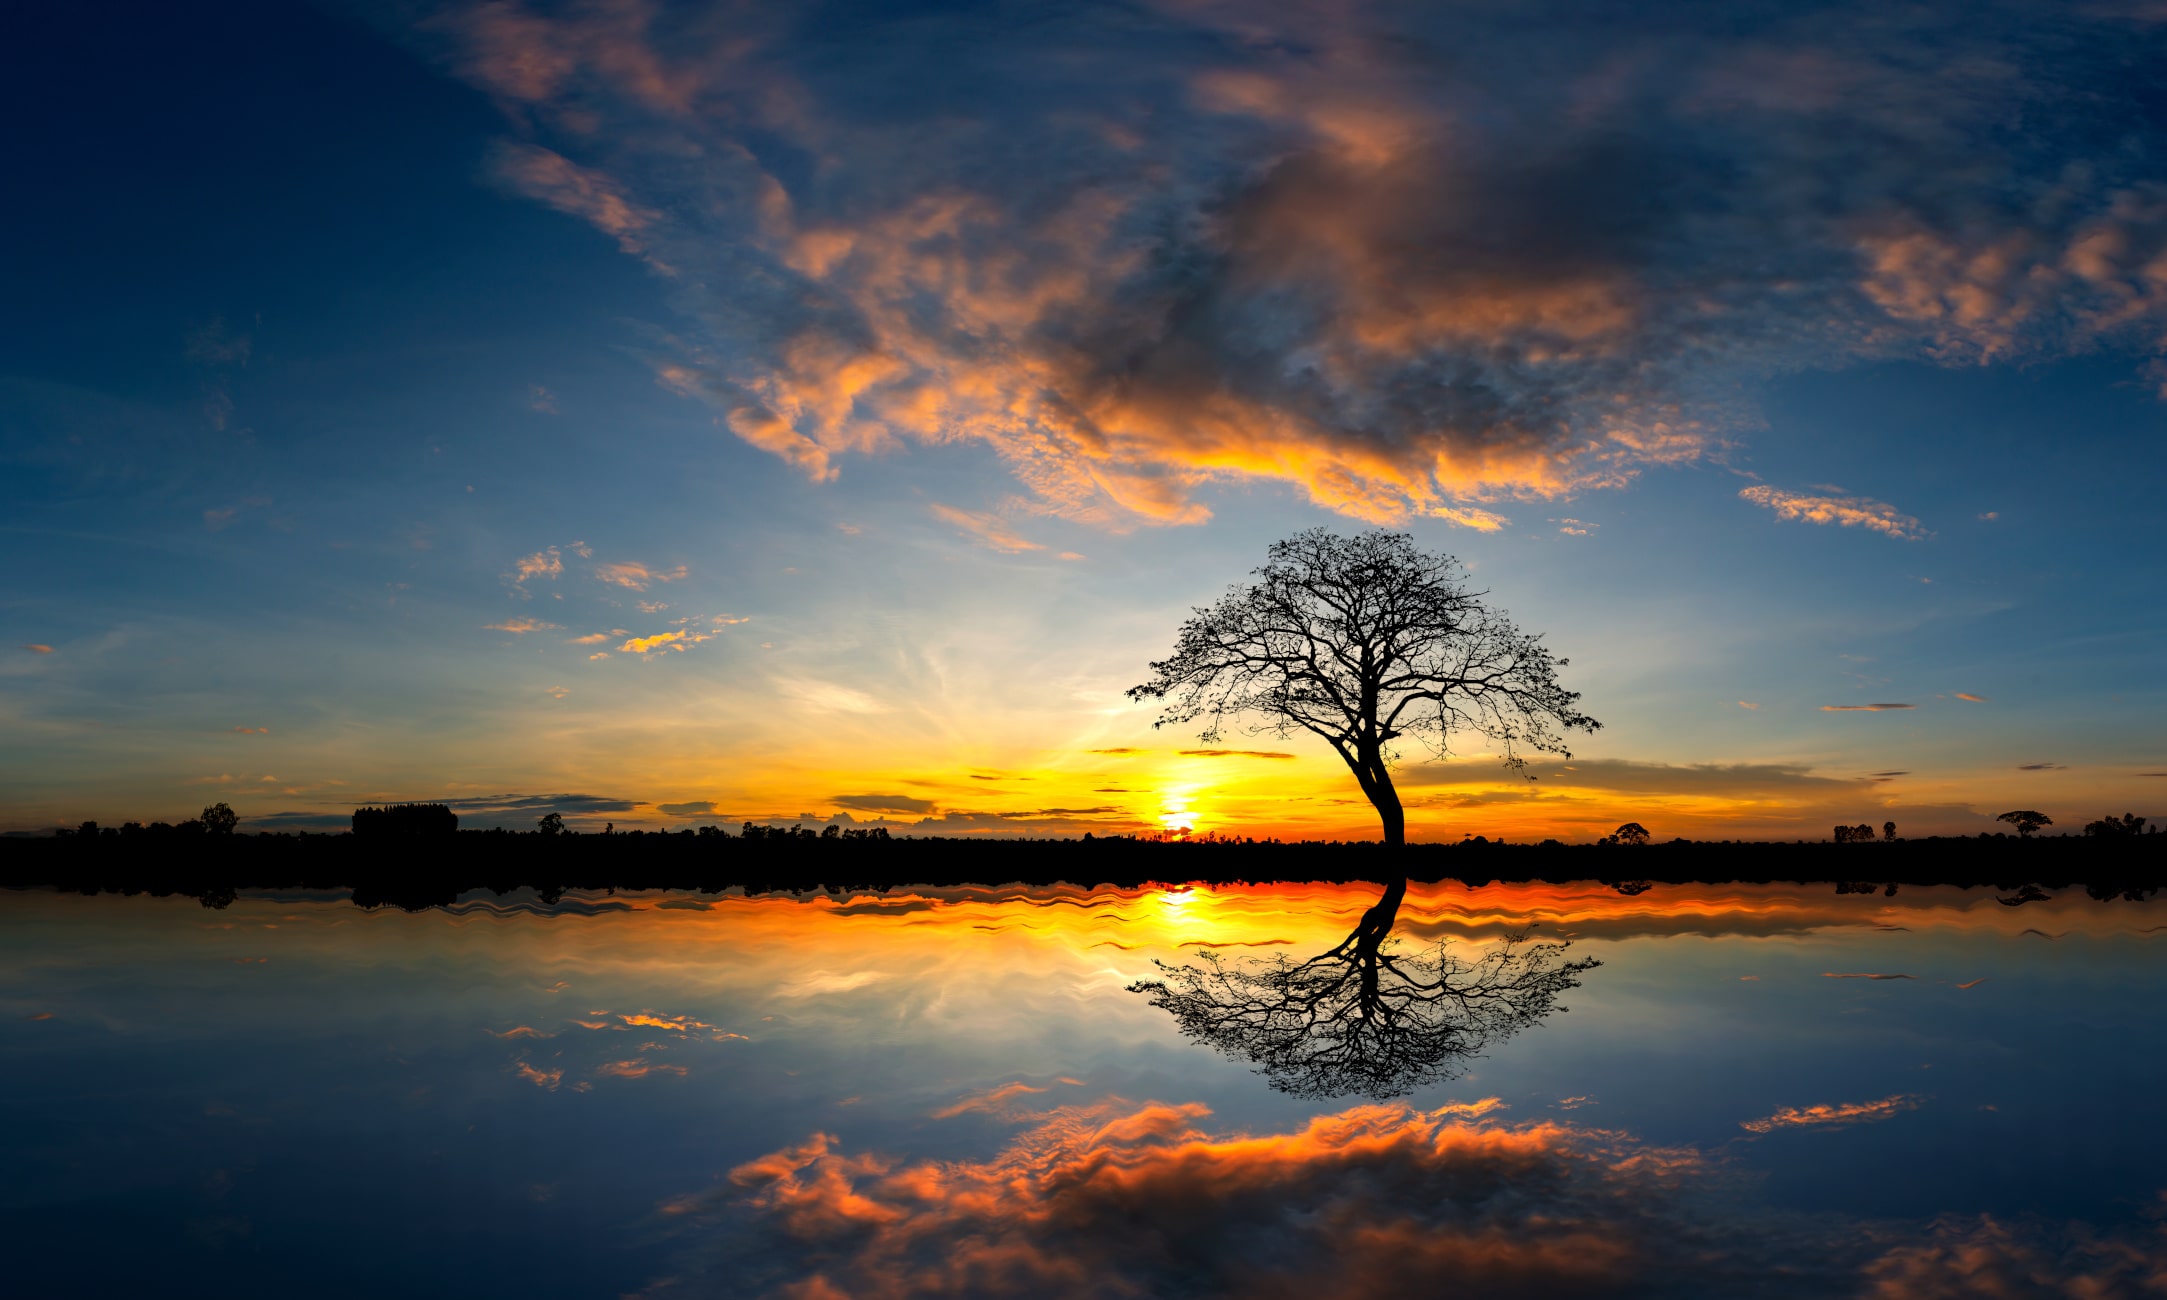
point(1389, 811)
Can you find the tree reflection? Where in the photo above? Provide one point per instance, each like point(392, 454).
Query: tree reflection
point(1365, 1018)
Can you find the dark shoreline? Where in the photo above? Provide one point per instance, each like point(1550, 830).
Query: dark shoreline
point(425, 871)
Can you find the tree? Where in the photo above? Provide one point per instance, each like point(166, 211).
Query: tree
point(1631, 833)
point(1362, 641)
point(1888, 830)
point(550, 824)
point(218, 819)
point(2026, 821)
point(1363, 1017)
point(2113, 827)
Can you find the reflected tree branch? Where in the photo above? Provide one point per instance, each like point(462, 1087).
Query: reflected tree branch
point(1365, 1017)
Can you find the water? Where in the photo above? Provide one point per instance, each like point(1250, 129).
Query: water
point(951, 1091)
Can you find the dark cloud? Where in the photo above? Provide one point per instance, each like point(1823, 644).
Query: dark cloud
point(2041, 767)
point(1651, 778)
point(896, 803)
point(697, 808)
point(1400, 255)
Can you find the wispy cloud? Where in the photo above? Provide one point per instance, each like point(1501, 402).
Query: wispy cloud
point(38, 648)
point(1233, 753)
point(1835, 1116)
point(990, 531)
point(1975, 699)
point(522, 626)
point(890, 803)
point(2041, 767)
point(1864, 708)
point(635, 576)
point(1849, 512)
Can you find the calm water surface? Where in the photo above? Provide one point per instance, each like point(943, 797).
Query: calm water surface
point(1761, 1090)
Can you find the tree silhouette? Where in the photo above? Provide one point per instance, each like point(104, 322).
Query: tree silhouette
point(1363, 1017)
point(218, 819)
point(2026, 821)
point(1631, 833)
point(551, 823)
point(2113, 827)
point(1888, 830)
point(1361, 641)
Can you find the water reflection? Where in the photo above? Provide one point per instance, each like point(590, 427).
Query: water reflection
point(1363, 1018)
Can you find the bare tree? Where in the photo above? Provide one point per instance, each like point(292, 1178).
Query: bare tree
point(1362, 641)
point(1362, 1017)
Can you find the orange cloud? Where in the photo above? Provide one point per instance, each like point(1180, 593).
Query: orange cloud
point(37, 649)
point(991, 531)
point(1849, 512)
point(252, 731)
point(637, 1068)
point(636, 576)
point(591, 196)
point(542, 564)
point(662, 641)
point(522, 626)
point(1838, 1116)
point(1864, 708)
point(548, 1079)
point(994, 1100)
point(1975, 699)
point(594, 638)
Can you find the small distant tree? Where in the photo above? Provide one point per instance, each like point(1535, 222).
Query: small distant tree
point(2112, 827)
point(1888, 830)
point(218, 819)
point(1631, 833)
point(2026, 821)
point(550, 823)
point(1363, 641)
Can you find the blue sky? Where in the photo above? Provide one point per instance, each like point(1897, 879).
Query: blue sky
point(927, 364)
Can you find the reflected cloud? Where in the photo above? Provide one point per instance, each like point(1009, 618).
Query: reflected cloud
point(1835, 1116)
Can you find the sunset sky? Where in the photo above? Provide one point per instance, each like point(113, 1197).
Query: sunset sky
point(670, 415)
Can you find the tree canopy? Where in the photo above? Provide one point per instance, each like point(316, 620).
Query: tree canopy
point(1363, 641)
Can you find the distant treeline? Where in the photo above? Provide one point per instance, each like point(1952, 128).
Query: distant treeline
point(435, 869)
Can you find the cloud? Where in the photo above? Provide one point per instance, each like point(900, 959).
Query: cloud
point(522, 626)
point(1749, 705)
point(595, 638)
point(1233, 753)
point(1628, 776)
point(637, 1068)
point(542, 564)
point(1398, 257)
point(564, 185)
point(1121, 1198)
point(993, 1100)
point(635, 576)
point(38, 648)
point(895, 803)
point(1119, 751)
point(1832, 975)
point(662, 642)
point(696, 808)
point(541, 400)
point(1838, 1116)
point(251, 731)
point(1864, 708)
point(1850, 512)
point(2042, 767)
point(990, 531)
point(1975, 699)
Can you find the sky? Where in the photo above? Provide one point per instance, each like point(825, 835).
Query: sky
point(670, 414)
